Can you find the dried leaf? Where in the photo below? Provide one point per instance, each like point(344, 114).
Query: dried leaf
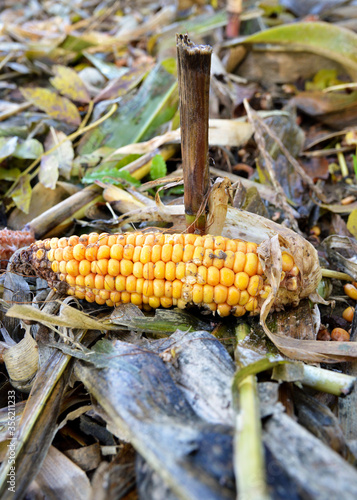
point(57, 107)
point(7, 146)
point(57, 162)
point(70, 84)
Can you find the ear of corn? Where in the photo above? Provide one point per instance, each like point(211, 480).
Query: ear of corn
point(154, 269)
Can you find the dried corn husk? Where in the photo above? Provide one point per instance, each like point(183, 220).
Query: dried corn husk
point(21, 362)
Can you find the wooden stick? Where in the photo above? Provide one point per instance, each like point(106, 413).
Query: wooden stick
point(194, 63)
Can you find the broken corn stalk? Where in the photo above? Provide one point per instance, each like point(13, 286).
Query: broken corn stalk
point(227, 276)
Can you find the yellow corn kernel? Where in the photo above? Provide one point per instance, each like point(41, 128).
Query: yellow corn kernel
point(54, 243)
point(84, 267)
point(168, 289)
point(242, 246)
point(159, 239)
point(191, 269)
point(55, 266)
point(233, 296)
point(90, 297)
point(137, 254)
point(148, 271)
point(188, 253)
point(208, 258)
point(170, 271)
point(166, 253)
point(71, 280)
point(101, 266)
point(116, 251)
point(229, 260)
point(211, 307)
point(68, 253)
point(99, 300)
point(80, 293)
point(109, 303)
point(176, 289)
point(115, 297)
point(159, 288)
point(126, 267)
point(128, 252)
point(226, 276)
point(190, 238)
point(125, 297)
point(199, 241)
point(231, 245)
point(186, 292)
point(91, 253)
point(180, 270)
point(219, 243)
point(150, 239)
point(197, 294)
point(113, 267)
point(252, 305)
point(89, 281)
point(251, 247)
point(156, 253)
point(120, 283)
point(99, 281)
point(177, 239)
point(251, 264)
point(109, 283)
point(224, 310)
point(154, 302)
point(348, 314)
point(159, 270)
point(139, 285)
point(145, 255)
point(47, 244)
point(58, 254)
point(265, 292)
point(148, 288)
point(72, 267)
point(83, 239)
point(130, 239)
point(177, 253)
point(140, 240)
point(239, 262)
point(212, 276)
point(255, 285)
point(202, 275)
point(209, 242)
point(220, 294)
point(166, 302)
point(259, 268)
point(62, 266)
point(244, 297)
point(287, 261)
point(102, 253)
point(79, 251)
point(92, 238)
point(112, 239)
point(241, 280)
point(295, 271)
point(218, 260)
point(198, 255)
point(51, 255)
point(136, 299)
point(238, 311)
point(102, 240)
point(208, 292)
point(138, 269)
point(131, 284)
point(292, 284)
point(63, 243)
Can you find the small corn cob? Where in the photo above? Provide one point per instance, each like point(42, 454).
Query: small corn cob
point(153, 269)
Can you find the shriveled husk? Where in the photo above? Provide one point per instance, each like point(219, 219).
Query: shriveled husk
point(21, 362)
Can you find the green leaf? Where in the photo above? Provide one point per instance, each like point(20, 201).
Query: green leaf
point(59, 108)
point(111, 176)
point(9, 174)
point(7, 146)
point(22, 194)
point(325, 39)
point(28, 150)
point(70, 84)
point(132, 120)
point(158, 167)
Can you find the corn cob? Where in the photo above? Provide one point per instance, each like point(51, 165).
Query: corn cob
point(153, 269)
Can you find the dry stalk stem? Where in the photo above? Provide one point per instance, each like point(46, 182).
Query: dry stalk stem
point(194, 63)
